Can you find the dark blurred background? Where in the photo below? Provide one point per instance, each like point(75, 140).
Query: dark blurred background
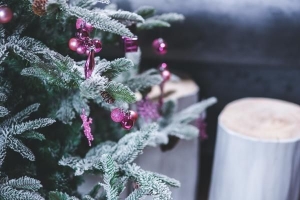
point(232, 49)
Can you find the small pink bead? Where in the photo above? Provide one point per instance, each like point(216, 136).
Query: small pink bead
point(80, 23)
point(133, 115)
point(159, 46)
point(89, 27)
point(81, 50)
point(162, 67)
point(5, 14)
point(117, 115)
point(127, 123)
point(74, 44)
point(166, 75)
point(98, 45)
point(82, 34)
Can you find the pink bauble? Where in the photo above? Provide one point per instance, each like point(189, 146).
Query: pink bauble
point(127, 123)
point(133, 115)
point(162, 67)
point(166, 75)
point(74, 44)
point(5, 14)
point(82, 34)
point(80, 23)
point(159, 46)
point(81, 49)
point(97, 45)
point(117, 115)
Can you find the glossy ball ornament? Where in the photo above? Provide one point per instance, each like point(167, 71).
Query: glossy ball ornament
point(82, 34)
point(80, 23)
point(159, 46)
point(166, 74)
point(5, 14)
point(127, 123)
point(162, 67)
point(133, 115)
point(81, 49)
point(117, 115)
point(97, 45)
point(74, 43)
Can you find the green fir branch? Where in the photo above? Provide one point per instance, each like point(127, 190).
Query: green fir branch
point(120, 92)
point(145, 11)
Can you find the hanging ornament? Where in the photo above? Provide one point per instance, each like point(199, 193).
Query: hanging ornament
point(86, 121)
point(130, 44)
point(166, 75)
point(83, 44)
point(39, 7)
point(148, 110)
point(117, 115)
point(5, 14)
point(159, 46)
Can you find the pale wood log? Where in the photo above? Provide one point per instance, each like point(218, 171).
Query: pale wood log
point(181, 162)
point(257, 151)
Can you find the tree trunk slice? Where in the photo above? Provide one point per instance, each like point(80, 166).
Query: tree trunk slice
point(257, 151)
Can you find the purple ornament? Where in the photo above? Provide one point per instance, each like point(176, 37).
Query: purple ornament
point(86, 121)
point(148, 110)
point(166, 74)
point(127, 123)
point(82, 34)
point(162, 67)
point(89, 64)
point(97, 45)
point(81, 49)
point(80, 24)
point(5, 14)
point(159, 46)
point(74, 44)
point(117, 115)
point(130, 44)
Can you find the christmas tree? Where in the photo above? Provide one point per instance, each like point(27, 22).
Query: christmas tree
point(54, 100)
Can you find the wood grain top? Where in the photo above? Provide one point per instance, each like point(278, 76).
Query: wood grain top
point(262, 118)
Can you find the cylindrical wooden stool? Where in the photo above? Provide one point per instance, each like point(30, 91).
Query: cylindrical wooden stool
point(257, 155)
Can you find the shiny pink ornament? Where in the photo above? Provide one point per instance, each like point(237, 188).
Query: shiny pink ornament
point(166, 75)
point(80, 24)
point(130, 44)
point(82, 34)
point(89, 64)
point(81, 49)
point(159, 46)
point(5, 14)
point(74, 44)
point(127, 123)
point(117, 115)
point(97, 45)
point(133, 115)
point(162, 67)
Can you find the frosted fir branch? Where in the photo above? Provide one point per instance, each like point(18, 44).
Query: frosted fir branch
point(56, 195)
point(88, 3)
point(88, 197)
point(3, 53)
point(120, 92)
point(168, 110)
point(145, 11)
point(2, 35)
point(33, 135)
point(92, 87)
point(66, 113)
point(80, 104)
point(167, 180)
point(169, 17)
point(3, 97)
point(17, 146)
point(182, 131)
point(145, 80)
point(152, 23)
point(124, 16)
point(25, 183)
point(132, 144)
point(3, 147)
point(21, 116)
point(192, 112)
point(8, 193)
point(100, 21)
point(136, 194)
point(114, 68)
point(30, 125)
point(107, 147)
point(109, 177)
point(3, 111)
